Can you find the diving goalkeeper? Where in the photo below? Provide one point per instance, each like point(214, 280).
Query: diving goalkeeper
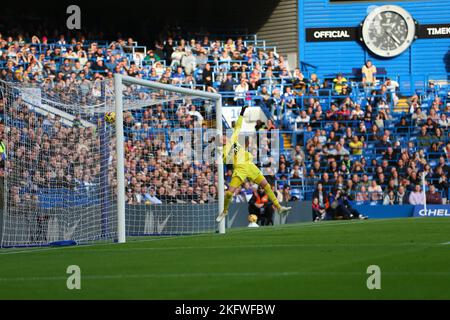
point(243, 167)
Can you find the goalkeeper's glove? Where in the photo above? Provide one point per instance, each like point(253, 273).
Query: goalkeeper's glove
point(243, 110)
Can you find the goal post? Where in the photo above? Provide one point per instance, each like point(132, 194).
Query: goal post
point(119, 82)
point(424, 192)
point(121, 228)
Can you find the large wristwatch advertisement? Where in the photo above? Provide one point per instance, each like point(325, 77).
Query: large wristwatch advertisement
point(386, 31)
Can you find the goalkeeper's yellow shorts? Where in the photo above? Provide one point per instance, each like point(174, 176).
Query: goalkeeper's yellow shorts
point(243, 171)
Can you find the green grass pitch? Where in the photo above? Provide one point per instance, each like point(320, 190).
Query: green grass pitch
point(326, 260)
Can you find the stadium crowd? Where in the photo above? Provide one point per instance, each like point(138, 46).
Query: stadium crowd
point(41, 153)
point(349, 141)
point(80, 72)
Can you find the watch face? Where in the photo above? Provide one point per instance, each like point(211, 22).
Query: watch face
point(388, 30)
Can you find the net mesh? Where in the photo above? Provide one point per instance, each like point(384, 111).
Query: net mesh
point(58, 174)
point(57, 166)
point(170, 169)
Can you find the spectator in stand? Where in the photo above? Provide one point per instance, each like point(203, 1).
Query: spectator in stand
point(77, 121)
point(430, 125)
point(442, 182)
point(314, 83)
point(416, 197)
point(239, 196)
point(356, 146)
point(152, 57)
point(319, 212)
point(446, 152)
point(338, 208)
point(270, 81)
point(368, 71)
point(298, 154)
point(375, 191)
point(431, 90)
point(159, 50)
point(401, 196)
point(339, 84)
point(207, 75)
point(389, 199)
point(444, 121)
point(419, 117)
point(283, 170)
point(434, 116)
point(253, 84)
point(443, 166)
point(403, 126)
point(176, 56)
point(241, 93)
point(357, 113)
point(286, 193)
point(340, 150)
point(433, 196)
point(299, 83)
point(188, 62)
point(228, 85)
point(321, 196)
point(302, 120)
point(261, 206)
point(424, 140)
point(392, 87)
point(179, 76)
point(364, 181)
point(289, 98)
point(151, 198)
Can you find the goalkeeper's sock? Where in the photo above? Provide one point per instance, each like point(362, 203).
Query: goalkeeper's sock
point(272, 197)
point(227, 200)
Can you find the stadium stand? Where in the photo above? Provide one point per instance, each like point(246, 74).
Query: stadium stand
point(368, 141)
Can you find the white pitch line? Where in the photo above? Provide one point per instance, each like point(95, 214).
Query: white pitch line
point(31, 250)
point(27, 251)
point(258, 246)
point(151, 275)
point(222, 274)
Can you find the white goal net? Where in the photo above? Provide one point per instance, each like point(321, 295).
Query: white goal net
point(59, 158)
point(172, 176)
point(57, 172)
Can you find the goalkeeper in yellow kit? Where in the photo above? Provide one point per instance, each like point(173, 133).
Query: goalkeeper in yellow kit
point(243, 167)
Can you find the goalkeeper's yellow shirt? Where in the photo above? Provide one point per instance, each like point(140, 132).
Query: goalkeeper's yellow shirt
point(239, 156)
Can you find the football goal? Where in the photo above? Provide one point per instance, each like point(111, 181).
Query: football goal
point(108, 160)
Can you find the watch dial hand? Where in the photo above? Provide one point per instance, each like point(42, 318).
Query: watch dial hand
point(396, 39)
point(393, 37)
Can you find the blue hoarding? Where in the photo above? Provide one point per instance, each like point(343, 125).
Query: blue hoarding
point(432, 211)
